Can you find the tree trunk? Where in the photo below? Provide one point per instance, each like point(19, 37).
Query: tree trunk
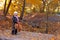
point(4, 7)
point(47, 19)
point(43, 5)
point(8, 7)
point(21, 16)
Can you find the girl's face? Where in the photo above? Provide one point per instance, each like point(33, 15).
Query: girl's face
point(15, 14)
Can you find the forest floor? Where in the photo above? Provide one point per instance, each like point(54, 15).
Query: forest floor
point(25, 35)
point(33, 28)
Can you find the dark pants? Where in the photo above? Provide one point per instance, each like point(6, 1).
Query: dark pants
point(14, 30)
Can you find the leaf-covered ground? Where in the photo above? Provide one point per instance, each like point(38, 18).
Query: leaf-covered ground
point(33, 23)
point(24, 35)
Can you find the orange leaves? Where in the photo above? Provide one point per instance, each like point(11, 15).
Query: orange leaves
point(35, 2)
point(53, 38)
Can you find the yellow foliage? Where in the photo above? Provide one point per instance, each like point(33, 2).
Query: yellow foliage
point(17, 5)
point(35, 2)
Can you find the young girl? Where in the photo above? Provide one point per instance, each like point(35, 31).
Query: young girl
point(15, 20)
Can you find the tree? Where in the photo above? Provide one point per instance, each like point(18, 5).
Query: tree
point(21, 16)
point(6, 9)
point(43, 5)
